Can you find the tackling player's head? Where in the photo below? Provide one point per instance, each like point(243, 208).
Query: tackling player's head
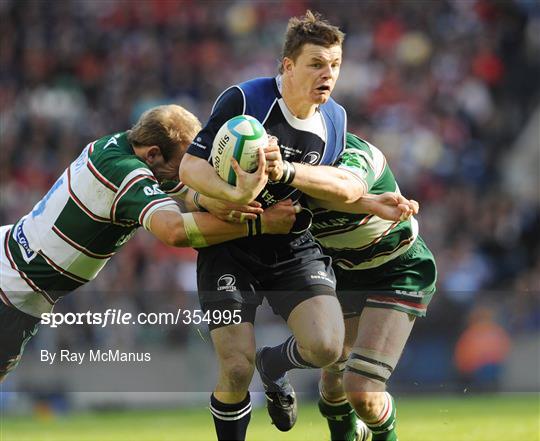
point(161, 136)
point(311, 58)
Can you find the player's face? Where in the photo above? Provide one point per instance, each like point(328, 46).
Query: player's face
point(315, 72)
point(165, 170)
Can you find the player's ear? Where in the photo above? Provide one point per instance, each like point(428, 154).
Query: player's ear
point(288, 64)
point(152, 154)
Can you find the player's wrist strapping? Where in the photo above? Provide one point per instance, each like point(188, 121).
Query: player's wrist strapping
point(289, 172)
point(254, 227)
point(197, 202)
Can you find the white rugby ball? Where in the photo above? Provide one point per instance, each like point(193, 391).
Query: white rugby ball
point(240, 138)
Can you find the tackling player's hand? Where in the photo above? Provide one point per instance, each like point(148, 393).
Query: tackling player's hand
point(391, 206)
point(279, 218)
point(229, 211)
point(249, 185)
point(274, 162)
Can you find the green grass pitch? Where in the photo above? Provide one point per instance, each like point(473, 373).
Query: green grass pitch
point(466, 418)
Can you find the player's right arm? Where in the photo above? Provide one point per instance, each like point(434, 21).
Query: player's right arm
point(197, 173)
point(203, 229)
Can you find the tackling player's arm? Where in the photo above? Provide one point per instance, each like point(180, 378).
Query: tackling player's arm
point(224, 210)
point(142, 201)
point(389, 206)
point(203, 229)
point(191, 200)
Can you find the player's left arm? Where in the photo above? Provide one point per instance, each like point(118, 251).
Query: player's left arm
point(322, 182)
point(358, 161)
point(327, 183)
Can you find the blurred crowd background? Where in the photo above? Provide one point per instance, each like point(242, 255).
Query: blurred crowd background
point(449, 90)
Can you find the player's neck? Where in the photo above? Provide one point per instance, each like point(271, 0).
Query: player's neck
point(297, 104)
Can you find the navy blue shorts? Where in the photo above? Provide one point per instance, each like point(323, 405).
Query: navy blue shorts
point(285, 274)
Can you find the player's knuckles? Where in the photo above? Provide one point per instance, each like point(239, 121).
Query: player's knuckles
point(272, 142)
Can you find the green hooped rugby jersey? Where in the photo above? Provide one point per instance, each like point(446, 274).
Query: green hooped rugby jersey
point(93, 208)
point(363, 241)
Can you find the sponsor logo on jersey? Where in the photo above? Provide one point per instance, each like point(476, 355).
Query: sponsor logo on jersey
point(153, 190)
point(331, 223)
point(27, 252)
point(124, 238)
point(227, 282)
point(311, 158)
point(287, 151)
point(268, 198)
point(322, 275)
point(197, 142)
point(410, 293)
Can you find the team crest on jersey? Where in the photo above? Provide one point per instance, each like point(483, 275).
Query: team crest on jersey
point(27, 253)
point(311, 158)
point(227, 282)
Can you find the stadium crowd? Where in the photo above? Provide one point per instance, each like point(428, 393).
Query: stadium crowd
point(443, 88)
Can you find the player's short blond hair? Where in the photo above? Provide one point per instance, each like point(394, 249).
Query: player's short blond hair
point(309, 29)
point(168, 127)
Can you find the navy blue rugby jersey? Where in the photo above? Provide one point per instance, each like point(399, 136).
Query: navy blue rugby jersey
point(318, 140)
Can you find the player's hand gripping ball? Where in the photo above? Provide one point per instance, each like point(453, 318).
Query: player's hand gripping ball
point(240, 138)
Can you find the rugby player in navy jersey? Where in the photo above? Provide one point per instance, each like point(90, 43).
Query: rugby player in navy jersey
point(289, 270)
